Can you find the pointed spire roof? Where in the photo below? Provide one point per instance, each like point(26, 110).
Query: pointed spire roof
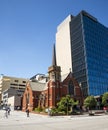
point(54, 56)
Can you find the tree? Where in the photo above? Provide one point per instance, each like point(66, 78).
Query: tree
point(90, 102)
point(66, 103)
point(105, 99)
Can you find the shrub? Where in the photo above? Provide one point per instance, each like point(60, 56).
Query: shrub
point(90, 102)
point(38, 109)
point(105, 99)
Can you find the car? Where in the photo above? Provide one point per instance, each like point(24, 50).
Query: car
point(105, 108)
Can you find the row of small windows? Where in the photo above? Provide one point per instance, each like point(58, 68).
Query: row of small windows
point(80, 59)
point(97, 89)
point(97, 41)
point(76, 45)
point(77, 32)
point(94, 38)
point(96, 26)
point(98, 79)
point(78, 67)
point(100, 45)
point(97, 85)
point(77, 49)
point(99, 65)
point(95, 34)
point(17, 84)
point(96, 55)
point(98, 68)
point(97, 72)
point(78, 62)
point(76, 21)
point(76, 40)
point(18, 81)
point(97, 58)
point(78, 54)
point(97, 50)
point(101, 62)
point(81, 78)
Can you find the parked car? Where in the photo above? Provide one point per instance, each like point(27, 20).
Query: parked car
point(105, 109)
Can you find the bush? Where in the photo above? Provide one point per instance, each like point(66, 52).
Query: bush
point(38, 109)
point(105, 99)
point(54, 111)
point(90, 102)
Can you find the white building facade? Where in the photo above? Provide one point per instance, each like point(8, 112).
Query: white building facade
point(63, 46)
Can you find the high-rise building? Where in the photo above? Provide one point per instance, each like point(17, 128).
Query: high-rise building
point(82, 46)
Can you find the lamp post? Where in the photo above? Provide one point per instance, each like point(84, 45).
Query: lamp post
point(80, 84)
point(67, 105)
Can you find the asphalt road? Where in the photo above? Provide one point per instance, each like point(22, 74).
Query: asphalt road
point(19, 121)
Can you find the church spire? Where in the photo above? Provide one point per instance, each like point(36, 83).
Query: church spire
point(54, 56)
point(54, 70)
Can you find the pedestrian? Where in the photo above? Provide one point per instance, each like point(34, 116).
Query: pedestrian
point(27, 111)
point(49, 112)
point(9, 110)
point(6, 111)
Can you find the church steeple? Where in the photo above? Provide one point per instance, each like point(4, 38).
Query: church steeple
point(54, 57)
point(54, 70)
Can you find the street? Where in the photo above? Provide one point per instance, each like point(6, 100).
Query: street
point(18, 120)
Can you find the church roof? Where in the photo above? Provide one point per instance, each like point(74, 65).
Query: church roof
point(63, 77)
point(37, 86)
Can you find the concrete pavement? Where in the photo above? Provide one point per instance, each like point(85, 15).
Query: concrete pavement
point(19, 121)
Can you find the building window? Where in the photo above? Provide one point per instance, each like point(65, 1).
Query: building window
point(16, 80)
point(57, 85)
point(37, 97)
point(57, 97)
point(23, 81)
point(70, 88)
point(27, 98)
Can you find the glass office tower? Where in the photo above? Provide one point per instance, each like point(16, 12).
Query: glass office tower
point(89, 53)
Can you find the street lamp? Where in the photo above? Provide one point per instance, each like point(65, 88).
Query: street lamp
point(80, 84)
point(66, 103)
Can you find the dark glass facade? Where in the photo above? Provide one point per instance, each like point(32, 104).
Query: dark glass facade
point(89, 45)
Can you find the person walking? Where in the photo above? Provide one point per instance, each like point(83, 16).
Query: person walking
point(9, 110)
point(6, 111)
point(27, 111)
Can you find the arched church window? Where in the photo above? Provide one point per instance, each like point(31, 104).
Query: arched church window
point(70, 88)
point(53, 76)
point(27, 98)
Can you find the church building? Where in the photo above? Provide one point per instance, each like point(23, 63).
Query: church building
point(47, 94)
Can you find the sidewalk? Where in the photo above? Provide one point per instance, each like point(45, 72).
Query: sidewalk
point(22, 115)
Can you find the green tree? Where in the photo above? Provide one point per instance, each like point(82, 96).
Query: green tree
point(66, 103)
point(105, 99)
point(90, 102)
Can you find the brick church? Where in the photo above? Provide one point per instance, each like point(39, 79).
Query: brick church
point(47, 94)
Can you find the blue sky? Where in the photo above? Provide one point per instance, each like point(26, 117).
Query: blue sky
point(28, 28)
